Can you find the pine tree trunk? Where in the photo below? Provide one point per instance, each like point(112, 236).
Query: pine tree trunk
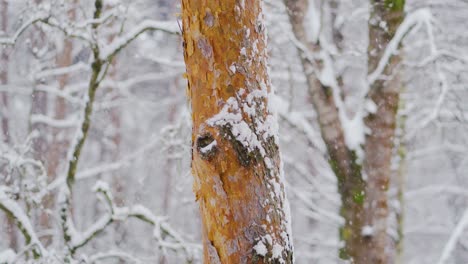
point(235, 156)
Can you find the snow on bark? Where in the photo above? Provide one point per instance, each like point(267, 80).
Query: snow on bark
point(418, 17)
point(261, 249)
point(239, 186)
point(12, 208)
point(312, 21)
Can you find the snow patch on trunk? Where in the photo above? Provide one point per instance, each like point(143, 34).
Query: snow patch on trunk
point(312, 22)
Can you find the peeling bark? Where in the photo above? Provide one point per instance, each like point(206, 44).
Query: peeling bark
point(235, 156)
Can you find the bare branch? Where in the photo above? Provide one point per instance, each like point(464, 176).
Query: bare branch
point(12, 40)
point(113, 255)
point(161, 228)
point(12, 209)
point(456, 234)
point(417, 17)
point(112, 49)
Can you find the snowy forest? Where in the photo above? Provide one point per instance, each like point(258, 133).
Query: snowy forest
point(234, 131)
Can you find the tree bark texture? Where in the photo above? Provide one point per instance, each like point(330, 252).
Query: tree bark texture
point(386, 16)
point(235, 156)
point(363, 188)
point(342, 160)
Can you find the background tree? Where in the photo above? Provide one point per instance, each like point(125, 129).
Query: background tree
point(363, 174)
point(4, 61)
point(46, 184)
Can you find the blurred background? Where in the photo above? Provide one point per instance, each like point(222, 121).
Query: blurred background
point(139, 137)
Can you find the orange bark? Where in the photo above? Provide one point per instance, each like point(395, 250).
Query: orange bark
point(235, 155)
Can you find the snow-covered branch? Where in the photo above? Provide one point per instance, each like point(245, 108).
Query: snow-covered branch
point(323, 68)
point(113, 255)
point(68, 30)
point(121, 42)
point(298, 121)
point(316, 212)
point(454, 237)
point(7, 256)
point(114, 213)
point(80, 66)
point(444, 86)
point(43, 119)
point(416, 18)
point(77, 144)
point(14, 210)
point(436, 190)
point(12, 40)
point(106, 16)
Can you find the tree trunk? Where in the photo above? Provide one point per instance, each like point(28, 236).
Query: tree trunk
point(58, 144)
point(342, 160)
point(386, 16)
point(235, 156)
point(39, 100)
point(364, 203)
point(4, 74)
